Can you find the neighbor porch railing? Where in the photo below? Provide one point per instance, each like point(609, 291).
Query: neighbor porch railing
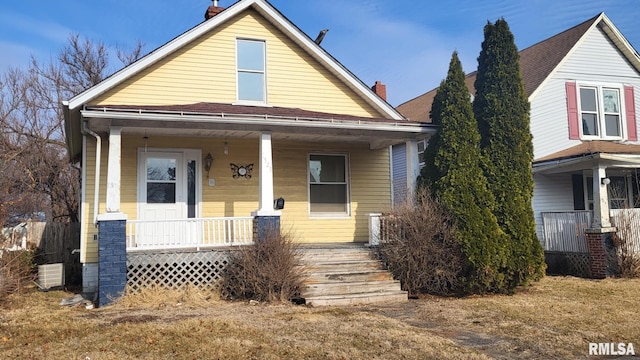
point(627, 222)
point(564, 231)
point(189, 233)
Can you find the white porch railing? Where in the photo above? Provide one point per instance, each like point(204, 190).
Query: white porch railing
point(189, 233)
point(564, 231)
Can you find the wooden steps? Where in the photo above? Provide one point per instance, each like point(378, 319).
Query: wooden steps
point(346, 274)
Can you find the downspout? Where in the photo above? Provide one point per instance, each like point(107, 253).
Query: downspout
point(84, 129)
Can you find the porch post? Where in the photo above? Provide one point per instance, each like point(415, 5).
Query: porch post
point(112, 250)
point(601, 199)
point(266, 219)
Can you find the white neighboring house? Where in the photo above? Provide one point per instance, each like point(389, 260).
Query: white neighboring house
point(584, 88)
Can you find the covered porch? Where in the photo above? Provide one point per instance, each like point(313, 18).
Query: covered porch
point(582, 201)
point(195, 178)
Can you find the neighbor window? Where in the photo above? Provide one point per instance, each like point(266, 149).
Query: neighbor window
point(600, 112)
point(621, 191)
point(422, 145)
point(328, 184)
point(251, 70)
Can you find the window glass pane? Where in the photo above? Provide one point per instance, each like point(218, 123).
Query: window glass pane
point(612, 123)
point(251, 55)
point(161, 193)
point(161, 169)
point(250, 86)
point(590, 124)
point(590, 188)
point(326, 168)
point(328, 198)
point(588, 99)
point(611, 101)
point(191, 189)
point(618, 192)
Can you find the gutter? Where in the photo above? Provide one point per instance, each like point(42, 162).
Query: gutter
point(84, 129)
point(261, 120)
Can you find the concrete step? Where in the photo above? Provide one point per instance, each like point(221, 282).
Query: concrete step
point(357, 298)
point(338, 288)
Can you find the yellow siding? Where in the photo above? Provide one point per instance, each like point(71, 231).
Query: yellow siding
point(369, 185)
point(204, 71)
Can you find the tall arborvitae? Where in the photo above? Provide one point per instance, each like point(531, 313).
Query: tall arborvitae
point(453, 173)
point(501, 108)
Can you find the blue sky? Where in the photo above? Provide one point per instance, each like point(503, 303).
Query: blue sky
point(406, 44)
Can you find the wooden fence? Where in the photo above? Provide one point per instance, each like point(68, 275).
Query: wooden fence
point(54, 243)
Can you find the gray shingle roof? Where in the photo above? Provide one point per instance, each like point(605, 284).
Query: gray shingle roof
point(536, 64)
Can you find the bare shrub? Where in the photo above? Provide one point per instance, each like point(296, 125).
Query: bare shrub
point(16, 271)
point(266, 271)
point(626, 244)
point(420, 248)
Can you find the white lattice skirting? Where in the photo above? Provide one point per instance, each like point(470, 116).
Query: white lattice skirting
point(176, 269)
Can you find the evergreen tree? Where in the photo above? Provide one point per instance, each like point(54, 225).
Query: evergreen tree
point(501, 108)
point(454, 175)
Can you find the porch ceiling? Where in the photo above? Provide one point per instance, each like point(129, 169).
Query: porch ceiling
point(284, 124)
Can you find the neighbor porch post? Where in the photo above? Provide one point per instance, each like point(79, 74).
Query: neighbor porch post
point(266, 219)
point(601, 229)
point(112, 251)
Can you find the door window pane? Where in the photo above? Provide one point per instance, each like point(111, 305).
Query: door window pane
point(191, 189)
point(161, 193)
point(161, 180)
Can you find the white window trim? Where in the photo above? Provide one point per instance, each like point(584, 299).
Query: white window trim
point(187, 154)
point(601, 118)
point(264, 82)
point(347, 174)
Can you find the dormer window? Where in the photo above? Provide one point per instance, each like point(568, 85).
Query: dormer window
point(251, 70)
point(600, 112)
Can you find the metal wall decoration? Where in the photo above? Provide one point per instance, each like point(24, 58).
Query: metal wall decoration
point(241, 170)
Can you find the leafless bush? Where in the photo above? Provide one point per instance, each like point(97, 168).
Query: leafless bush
point(626, 244)
point(265, 271)
point(420, 248)
point(16, 271)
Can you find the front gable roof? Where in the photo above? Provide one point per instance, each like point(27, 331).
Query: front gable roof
point(346, 79)
point(537, 62)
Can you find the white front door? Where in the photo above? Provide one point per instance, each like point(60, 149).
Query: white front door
point(163, 189)
point(167, 194)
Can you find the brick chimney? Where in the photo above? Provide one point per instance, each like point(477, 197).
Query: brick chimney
point(213, 10)
point(380, 89)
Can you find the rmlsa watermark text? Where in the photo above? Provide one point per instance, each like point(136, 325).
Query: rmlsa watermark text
point(611, 349)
